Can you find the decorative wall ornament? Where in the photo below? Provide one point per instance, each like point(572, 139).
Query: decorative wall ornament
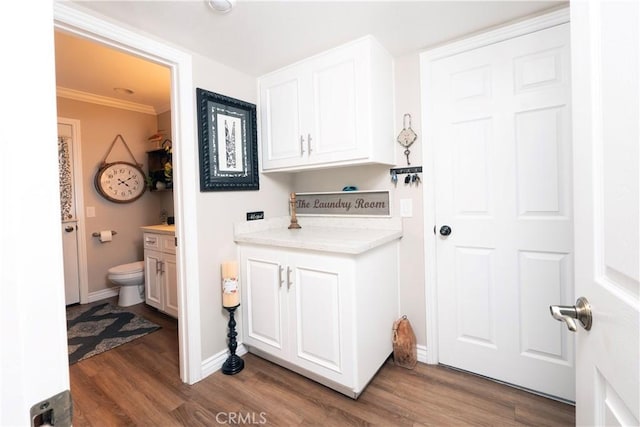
point(227, 132)
point(407, 136)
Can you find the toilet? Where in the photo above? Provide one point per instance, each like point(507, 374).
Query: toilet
point(130, 278)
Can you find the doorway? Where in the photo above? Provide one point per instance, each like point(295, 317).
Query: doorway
point(88, 26)
point(71, 216)
point(502, 247)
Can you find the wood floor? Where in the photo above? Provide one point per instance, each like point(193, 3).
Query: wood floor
point(138, 384)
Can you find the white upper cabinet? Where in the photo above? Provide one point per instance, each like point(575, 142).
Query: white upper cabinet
point(333, 109)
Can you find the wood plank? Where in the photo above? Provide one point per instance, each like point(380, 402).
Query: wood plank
point(138, 384)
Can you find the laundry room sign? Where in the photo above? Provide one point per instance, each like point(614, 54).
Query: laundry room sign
point(347, 203)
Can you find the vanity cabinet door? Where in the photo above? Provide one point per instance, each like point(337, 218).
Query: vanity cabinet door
point(152, 278)
point(264, 300)
point(169, 274)
point(160, 273)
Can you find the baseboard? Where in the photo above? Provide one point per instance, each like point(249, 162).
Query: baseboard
point(422, 353)
point(214, 363)
point(102, 294)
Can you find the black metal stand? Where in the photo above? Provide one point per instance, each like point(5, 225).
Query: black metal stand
point(234, 363)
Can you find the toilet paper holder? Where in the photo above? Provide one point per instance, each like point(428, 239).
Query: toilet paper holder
point(97, 233)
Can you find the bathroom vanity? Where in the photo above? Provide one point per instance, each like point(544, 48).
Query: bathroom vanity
point(321, 300)
point(160, 274)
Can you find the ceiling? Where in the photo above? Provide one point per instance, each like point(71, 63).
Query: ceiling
point(257, 37)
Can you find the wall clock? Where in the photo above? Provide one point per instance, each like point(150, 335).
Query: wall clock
point(120, 182)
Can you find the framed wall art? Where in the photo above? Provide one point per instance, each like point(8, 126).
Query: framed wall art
point(227, 136)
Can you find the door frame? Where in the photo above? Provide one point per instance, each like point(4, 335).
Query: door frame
point(527, 26)
point(78, 195)
point(84, 25)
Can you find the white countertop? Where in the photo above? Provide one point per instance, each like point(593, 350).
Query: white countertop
point(160, 229)
point(328, 234)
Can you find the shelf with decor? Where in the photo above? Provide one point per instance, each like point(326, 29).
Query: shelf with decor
point(160, 168)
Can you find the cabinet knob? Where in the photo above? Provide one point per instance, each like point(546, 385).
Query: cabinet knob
point(309, 142)
point(288, 277)
point(301, 145)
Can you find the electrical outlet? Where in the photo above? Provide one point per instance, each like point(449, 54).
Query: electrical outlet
point(252, 216)
point(91, 211)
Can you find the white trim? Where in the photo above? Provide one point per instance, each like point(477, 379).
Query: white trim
point(78, 184)
point(92, 98)
point(422, 353)
point(101, 294)
point(184, 155)
point(552, 19)
point(214, 363)
point(528, 26)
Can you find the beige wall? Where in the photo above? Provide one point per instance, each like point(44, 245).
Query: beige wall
point(407, 100)
point(99, 125)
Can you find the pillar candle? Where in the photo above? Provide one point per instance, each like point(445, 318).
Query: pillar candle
point(230, 288)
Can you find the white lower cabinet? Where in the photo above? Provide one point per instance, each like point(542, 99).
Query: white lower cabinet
point(326, 316)
point(160, 273)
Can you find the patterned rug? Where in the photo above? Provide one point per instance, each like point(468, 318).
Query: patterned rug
point(95, 329)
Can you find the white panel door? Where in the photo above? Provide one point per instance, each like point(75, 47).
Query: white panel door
point(339, 91)
point(281, 110)
point(504, 187)
point(68, 214)
point(606, 58)
point(265, 300)
point(317, 317)
point(318, 291)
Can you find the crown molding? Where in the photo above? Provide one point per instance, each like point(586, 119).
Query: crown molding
point(78, 95)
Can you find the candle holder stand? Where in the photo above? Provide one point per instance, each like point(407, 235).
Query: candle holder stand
point(294, 219)
point(234, 363)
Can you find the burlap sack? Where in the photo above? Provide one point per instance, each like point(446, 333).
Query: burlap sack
point(404, 344)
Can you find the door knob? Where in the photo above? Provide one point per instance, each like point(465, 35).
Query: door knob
point(445, 230)
point(568, 314)
point(68, 229)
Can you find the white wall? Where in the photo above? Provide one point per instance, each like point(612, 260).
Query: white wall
point(218, 211)
point(33, 348)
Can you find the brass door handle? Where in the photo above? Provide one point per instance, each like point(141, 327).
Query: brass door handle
point(581, 311)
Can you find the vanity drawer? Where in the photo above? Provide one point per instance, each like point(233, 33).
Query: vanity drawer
point(159, 242)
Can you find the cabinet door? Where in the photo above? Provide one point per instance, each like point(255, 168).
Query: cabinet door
point(337, 128)
point(152, 278)
point(280, 114)
point(320, 297)
point(264, 313)
point(170, 284)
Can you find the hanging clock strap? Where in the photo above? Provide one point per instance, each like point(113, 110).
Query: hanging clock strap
point(118, 136)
